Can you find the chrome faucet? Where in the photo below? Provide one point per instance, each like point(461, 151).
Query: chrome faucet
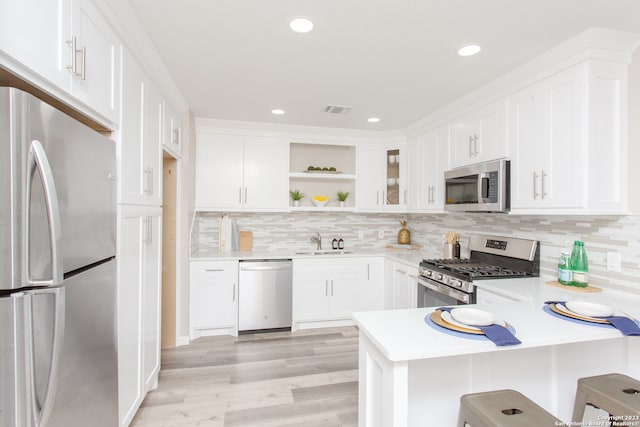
point(318, 240)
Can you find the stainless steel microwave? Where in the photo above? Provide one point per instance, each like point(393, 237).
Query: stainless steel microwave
point(484, 187)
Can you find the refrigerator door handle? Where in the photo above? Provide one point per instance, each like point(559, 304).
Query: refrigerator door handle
point(38, 160)
point(42, 410)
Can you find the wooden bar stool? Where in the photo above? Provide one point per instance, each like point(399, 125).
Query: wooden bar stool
point(502, 408)
point(616, 394)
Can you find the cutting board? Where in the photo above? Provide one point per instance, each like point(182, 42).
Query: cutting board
point(246, 240)
point(589, 288)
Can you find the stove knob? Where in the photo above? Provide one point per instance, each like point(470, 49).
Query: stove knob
point(437, 276)
point(427, 273)
point(457, 283)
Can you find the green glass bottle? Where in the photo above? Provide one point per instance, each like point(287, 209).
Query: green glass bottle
point(579, 265)
point(564, 268)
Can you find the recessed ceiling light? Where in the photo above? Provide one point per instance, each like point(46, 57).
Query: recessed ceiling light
point(278, 112)
point(373, 119)
point(301, 24)
point(469, 50)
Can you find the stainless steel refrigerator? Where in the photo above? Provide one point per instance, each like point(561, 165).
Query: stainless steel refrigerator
point(58, 362)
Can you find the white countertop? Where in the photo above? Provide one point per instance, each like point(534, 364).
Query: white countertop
point(411, 258)
point(403, 334)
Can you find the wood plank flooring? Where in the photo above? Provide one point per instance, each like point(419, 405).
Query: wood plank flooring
point(307, 378)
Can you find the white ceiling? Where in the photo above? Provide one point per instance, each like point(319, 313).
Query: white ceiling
point(393, 59)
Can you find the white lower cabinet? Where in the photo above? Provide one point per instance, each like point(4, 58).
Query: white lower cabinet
point(214, 298)
point(401, 289)
point(139, 295)
point(484, 296)
point(333, 289)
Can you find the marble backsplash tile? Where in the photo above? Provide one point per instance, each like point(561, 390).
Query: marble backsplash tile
point(292, 231)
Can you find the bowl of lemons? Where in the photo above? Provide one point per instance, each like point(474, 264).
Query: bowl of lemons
point(319, 201)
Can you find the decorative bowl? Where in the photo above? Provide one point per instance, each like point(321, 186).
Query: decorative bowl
point(319, 201)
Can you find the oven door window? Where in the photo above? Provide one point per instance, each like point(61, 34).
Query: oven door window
point(462, 190)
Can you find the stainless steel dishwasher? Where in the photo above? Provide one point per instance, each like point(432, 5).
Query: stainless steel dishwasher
point(264, 298)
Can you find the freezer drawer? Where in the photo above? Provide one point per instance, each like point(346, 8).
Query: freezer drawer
point(264, 299)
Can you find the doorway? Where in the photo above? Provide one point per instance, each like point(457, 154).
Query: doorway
point(169, 250)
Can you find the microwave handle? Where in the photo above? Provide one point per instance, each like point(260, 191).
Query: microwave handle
point(483, 183)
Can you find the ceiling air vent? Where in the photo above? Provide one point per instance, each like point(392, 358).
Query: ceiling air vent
point(336, 109)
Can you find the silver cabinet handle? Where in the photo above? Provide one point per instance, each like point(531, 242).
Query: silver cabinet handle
point(38, 160)
point(535, 185)
point(240, 195)
point(368, 272)
point(544, 175)
point(211, 270)
point(470, 146)
point(148, 230)
point(147, 188)
point(405, 197)
point(176, 136)
point(73, 68)
point(377, 197)
point(234, 292)
point(326, 288)
point(475, 145)
point(331, 287)
point(384, 199)
point(245, 195)
point(151, 180)
point(44, 410)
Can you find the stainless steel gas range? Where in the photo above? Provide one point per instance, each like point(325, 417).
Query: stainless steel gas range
point(451, 281)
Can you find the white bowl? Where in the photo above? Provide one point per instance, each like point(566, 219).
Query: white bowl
point(318, 203)
point(590, 309)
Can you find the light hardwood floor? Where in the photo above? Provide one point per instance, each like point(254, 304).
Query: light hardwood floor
point(307, 378)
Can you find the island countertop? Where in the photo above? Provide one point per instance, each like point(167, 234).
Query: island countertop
point(410, 372)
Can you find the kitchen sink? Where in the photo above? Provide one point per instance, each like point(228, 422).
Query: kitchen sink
point(323, 252)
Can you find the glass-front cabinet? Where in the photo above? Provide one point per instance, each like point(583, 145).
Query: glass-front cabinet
point(381, 171)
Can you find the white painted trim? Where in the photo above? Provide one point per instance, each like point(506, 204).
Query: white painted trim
point(183, 340)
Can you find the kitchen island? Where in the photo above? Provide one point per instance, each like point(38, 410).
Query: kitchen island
point(412, 374)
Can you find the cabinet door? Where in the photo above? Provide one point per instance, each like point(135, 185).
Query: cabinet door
point(139, 142)
point(151, 297)
point(219, 170)
point(34, 32)
point(464, 134)
point(370, 165)
point(480, 136)
point(404, 286)
point(266, 173)
point(347, 289)
point(97, 78)
point(214, 295)
point(417, 194)
point(152, 144)
point(375, 282)
point(436, 158)
point(547, 158)
point(394, 187)
point(310, 296)
point(130, 272)
point(493, 139)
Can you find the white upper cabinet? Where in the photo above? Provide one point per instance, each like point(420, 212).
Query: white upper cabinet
point(33, 32)
point(241, 173)
point(140, 137)
point(381, 177)
point(548, 144)
point(428, 159)
point(480, 135)
point(69, 44)
point(95, 65)
point(569, 142)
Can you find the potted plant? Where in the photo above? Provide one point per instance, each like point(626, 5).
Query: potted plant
point(296, 196)
point(342, 197)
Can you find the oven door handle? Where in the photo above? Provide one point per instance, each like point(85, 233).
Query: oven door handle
point(443, 289)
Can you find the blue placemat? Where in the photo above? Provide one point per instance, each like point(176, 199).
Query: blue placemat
point(477, 337)
point(547, 309)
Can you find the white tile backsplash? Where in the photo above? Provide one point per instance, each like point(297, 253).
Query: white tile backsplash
point(292, 231)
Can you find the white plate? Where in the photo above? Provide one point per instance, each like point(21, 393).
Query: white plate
point(473, 317)
point(586, 308)
point(446, 316)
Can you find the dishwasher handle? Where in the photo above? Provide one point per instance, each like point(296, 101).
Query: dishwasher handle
point(265, 266)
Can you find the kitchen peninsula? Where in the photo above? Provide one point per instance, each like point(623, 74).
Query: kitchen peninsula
point(412, 374)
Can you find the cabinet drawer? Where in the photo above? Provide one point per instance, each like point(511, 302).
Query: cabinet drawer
point(214, 268)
